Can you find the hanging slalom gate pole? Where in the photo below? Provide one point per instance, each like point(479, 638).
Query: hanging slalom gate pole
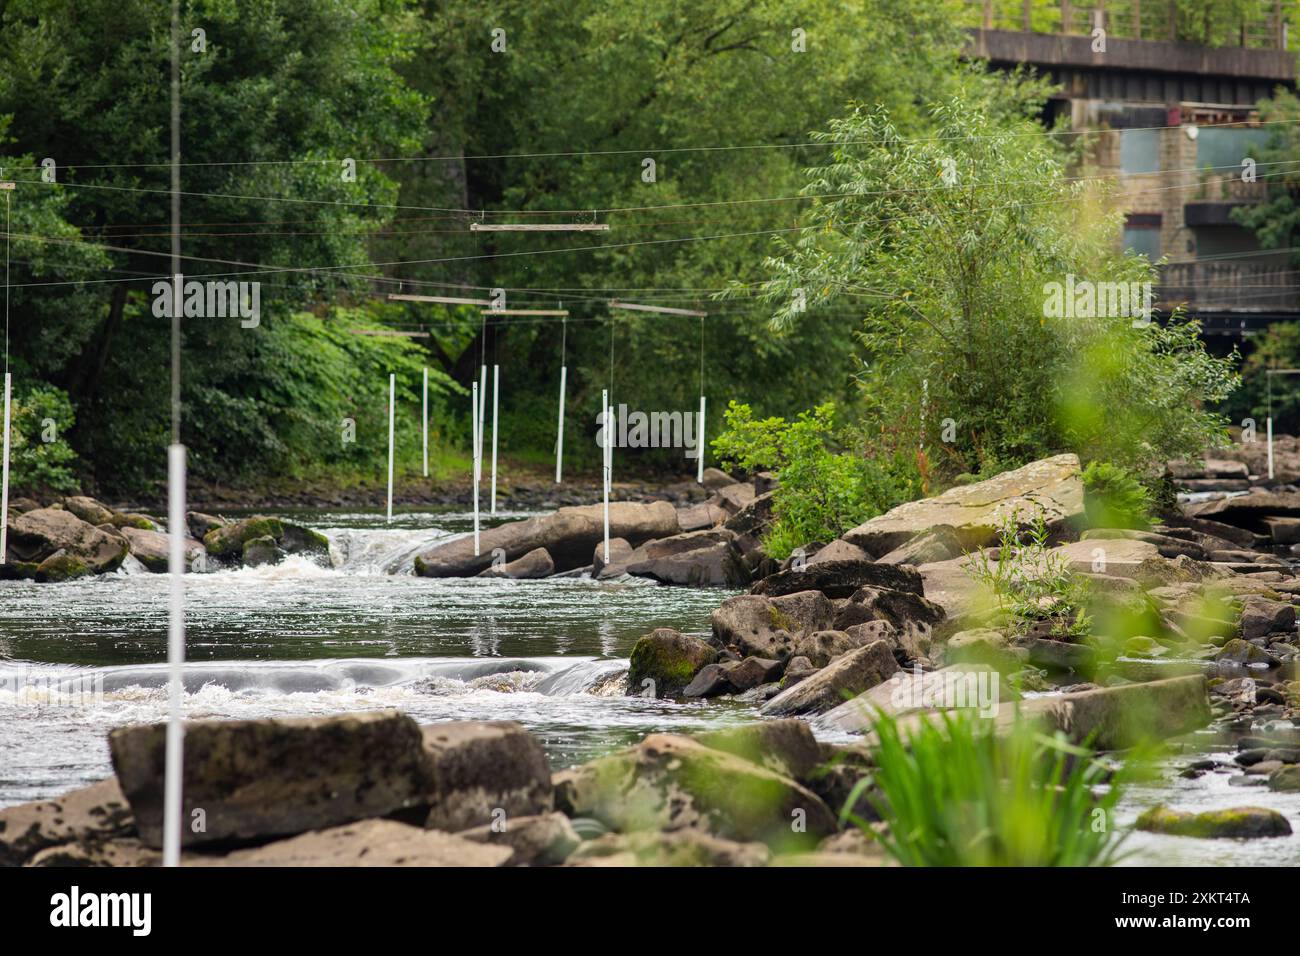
point(1270, 448)
point(174, 748)
point(4, 482)
point(608, 460)
point(496, 389)
point(699, 446)
point(424, 419)
point(473, 417)
point(559, 431)
point(392, 401)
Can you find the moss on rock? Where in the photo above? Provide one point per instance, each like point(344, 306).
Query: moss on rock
point(668, 658)
point(1234, 822)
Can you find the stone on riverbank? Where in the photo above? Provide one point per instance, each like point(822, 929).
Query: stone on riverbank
point(619, 552)
point(364, 843)
point(1119, 717)
point(669, 659)
point(839, 579)
point(88, 509)
point(484, 771)
point(152, 548)
point(38, 535)
point(227, 541)
point(533, 565)
point(543, 840)
point(770, 627)
point(261, 551)
point(1285, 778)
point(846, 676)
point(706, 558)
point(1241, 823)
point(1052, 486)
point(264, 778)
point(80, 822)
point(668, 783)
point(732, 677)
point(568, 535)
point(676, 848)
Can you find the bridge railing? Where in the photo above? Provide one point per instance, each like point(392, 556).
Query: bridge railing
point(1230, 286)
point(1258, 24)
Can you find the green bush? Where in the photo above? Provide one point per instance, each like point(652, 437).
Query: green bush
point(956, 792)
point(1113, 498)
point(39, 455)
point(824, 490)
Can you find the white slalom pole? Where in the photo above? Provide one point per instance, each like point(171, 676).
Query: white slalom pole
point(473, 414)
point(175, 746)
point(482, 420)
point(609, 460)
point(699, 445)
point(392, 401)
point(4, 481)
point(424, 420)
point(559, 435)
point(1270, 448)
point(496, 389)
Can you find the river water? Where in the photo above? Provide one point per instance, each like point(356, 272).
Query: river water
point(80, 658)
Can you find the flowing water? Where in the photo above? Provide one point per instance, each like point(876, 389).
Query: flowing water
point(299, 638)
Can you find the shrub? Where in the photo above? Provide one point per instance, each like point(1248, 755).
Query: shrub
point(823, 492)
point(39, 455)
point(955, 792)
point(1113, 498)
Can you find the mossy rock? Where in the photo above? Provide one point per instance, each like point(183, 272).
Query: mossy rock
point(122, 519)
point(298, 539)
point(228, 540)
point(668, 658)
point(18, 570)
point(1237, 823)
point(61, 566)
point(260, 551)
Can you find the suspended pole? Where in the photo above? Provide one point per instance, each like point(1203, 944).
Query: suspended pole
point(424, 419)
point(448, 299)
point(538, 227)
point(474, 425)
point(699, 431)
point(608, 460)
point(4, 477)
point(559, 433)
point(392, 403)
point(174, 755)
point(496, 392)
point(560, 312)
point(636, 307)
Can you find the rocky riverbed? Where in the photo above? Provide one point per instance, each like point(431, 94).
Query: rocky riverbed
point(897, 614)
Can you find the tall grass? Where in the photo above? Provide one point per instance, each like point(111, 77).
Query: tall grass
point(957, 792)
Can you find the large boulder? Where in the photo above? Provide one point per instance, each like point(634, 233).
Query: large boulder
point(535, 564)
point(668, 783)
point(975, 512)
point(1250, 511)
point(1115, 718)
point(365, 843)
point(1240, 823)
point(82, 820)
point(88, 509)
point(732, 677)
point(956, 687)
point(838, 579)
point(847, 676)
point(152, 548)
point(546, 839)
point(940, 543)
point(228, 540)
point(907, 611)
point(484, 772)
point(706, 558)
point(568, 535)
point(669, 659)
point(37, 535)
point(676, 848)
point(771, 627)
point(253, 779)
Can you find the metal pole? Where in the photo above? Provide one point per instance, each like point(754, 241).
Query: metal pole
point(609, 458)
point(496, 389)
point(424, 419)
point(392, 402)
point(559, 439)
point(473, 417)
point(699, 446)
point(4, 482)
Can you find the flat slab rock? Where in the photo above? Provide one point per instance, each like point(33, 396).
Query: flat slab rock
point(84, 818)
point(839, 579)
point(483, 769)
point(365, 843)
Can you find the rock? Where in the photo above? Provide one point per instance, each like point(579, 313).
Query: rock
point(770, 627)
point(669, 659)
point(88, 509)
point(543, 840)
point(61, 566)
point(263, 550)
point(568, 535)
point(227, 541)
point(715, 478)
point(1238, 651)
point(822, 647)
point(485, 770)
point(838, 550)
point(619, 552)
point(1285, 778)
point(1241, 823)
point(796, 669)
point(1260, 616)
point(1119, 717)
point(950, 585)
point(37, 535)
point(1059, 655)
point(785, 746)
point(976, 511)
point(299, 539)
point(1250, 511)
point(732, 677)
point(701, 516)
point(848, 675)
point(117, 852)
point(366, 843)
point(839, 579)
point(1208, 529)
point(1166, 546)
point(255, 779)
point(668, 783)
point(126, 519)
point(533, 565)
point(200, 524)
point(732, 498)
point(153, 548)
point(1284, 531)
point(696, 559)
point(980, 644)
point(752, 523)
point(956, 687)
point(23, 505)
point(912, 616)
point(676, 848)
point(83, 819)
point(764, 482)
point(940, 543)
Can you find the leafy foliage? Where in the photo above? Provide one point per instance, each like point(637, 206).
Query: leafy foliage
point(823, 491)
point(956, 792)
point(39, 457)
point(1113, 498)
